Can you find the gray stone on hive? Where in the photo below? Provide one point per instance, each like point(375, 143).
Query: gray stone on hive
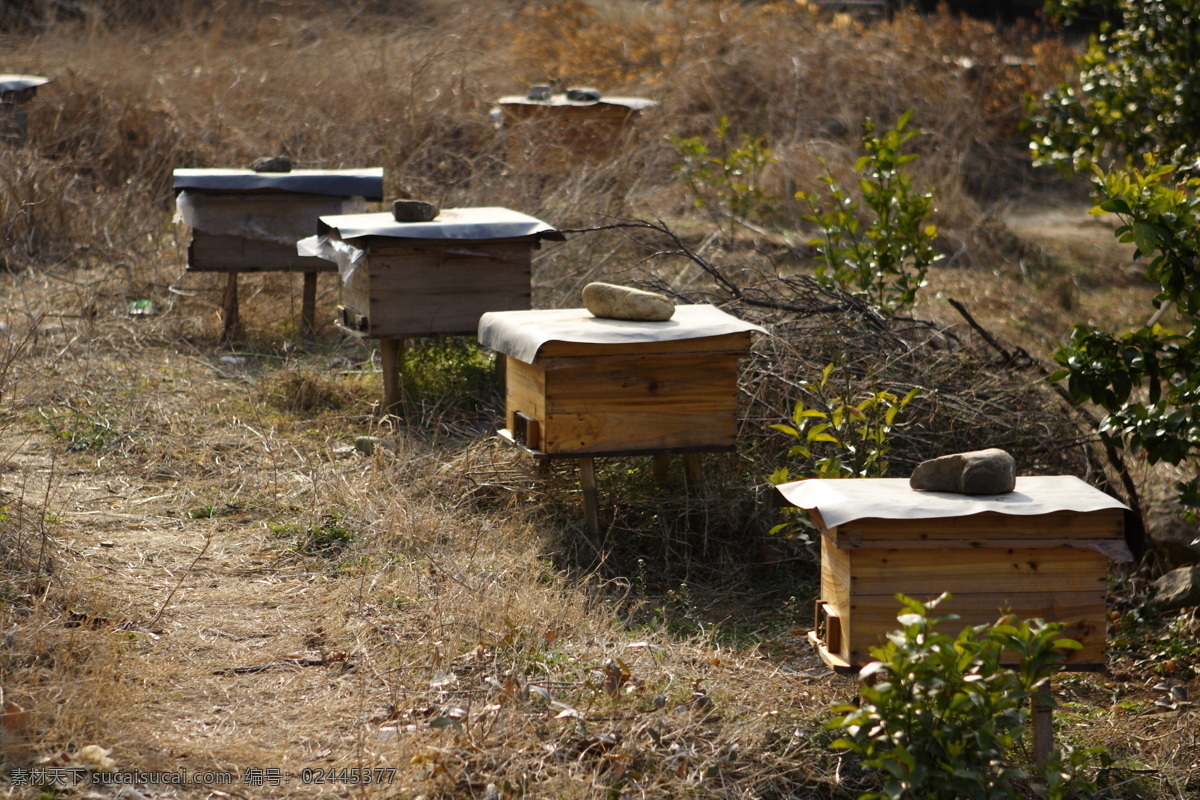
point(272, 164)
point(1179, 588)
point(583, 94)
point(414, 211)
point(990, 471)
point(610, 301)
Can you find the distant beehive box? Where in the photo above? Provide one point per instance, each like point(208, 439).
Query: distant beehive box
point(16, 92)
point(555, 131)
point(246, 221)
point(405, 279)
point(577, 385)
point(1040, 551)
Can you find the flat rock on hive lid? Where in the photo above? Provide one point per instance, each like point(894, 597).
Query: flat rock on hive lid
point(610, 301)
point(272, 164)
point(990, 471)
point(414, 211)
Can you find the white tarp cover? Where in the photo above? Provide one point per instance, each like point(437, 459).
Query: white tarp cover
point(474, 224)
point(521, 334)
point(366, 183)
point(850, 499)
point(347, 257)
point(16, 83)
point(632, 103)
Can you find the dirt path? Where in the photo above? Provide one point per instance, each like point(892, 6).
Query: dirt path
point(225, 662)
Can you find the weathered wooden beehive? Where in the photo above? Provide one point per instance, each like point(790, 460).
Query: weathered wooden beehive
point(552, 132)
point(406, 279)
point(1040, 551)
point(247, 221)
point(16, 92)
point(578, 385)
point(434, 278)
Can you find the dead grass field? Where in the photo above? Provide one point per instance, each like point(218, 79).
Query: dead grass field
point(202, 574)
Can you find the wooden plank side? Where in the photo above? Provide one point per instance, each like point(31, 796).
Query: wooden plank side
point(670, 427)
point(868, 533)
point(1083, 613)
point(727, 343)
point(644, 403)
point(847, 543)
point(639, 383)
point(264, 206)
point(208, 253)
point(835, 590)
point(503, 251)
point(425, 297)
point(355, 294)
point(525, 391)
point(1011, 570)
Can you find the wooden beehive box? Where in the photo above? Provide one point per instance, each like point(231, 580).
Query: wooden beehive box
point(577, 385)
point(246, 221)
point(405, 279)
point(1041, 551)
point(16, 92)
point(553, 132)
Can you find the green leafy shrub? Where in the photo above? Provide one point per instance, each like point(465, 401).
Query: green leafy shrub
point(1148, 380)
point(939, 715)
point(844, 439)
point(886, 257)
point(727, 181)
point(1138, 90)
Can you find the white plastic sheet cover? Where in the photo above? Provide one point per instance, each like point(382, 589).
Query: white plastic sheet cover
point(263, 218)
point(347, 257)
point(475, 224)
point(631, 103)
point(521, 334)
point(842, 501)
point(366, 183)
point(18, 83)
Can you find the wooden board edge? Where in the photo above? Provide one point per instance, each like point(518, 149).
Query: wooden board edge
point(832, 660)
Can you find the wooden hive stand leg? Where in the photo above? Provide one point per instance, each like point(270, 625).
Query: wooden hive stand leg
point(661, 465)
point(229, 308)
point(591, 509)
point(308, 306)
point(391, 356)
point(1043, 731)
point(691, 468)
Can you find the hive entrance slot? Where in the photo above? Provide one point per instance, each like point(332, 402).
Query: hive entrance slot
point(829, 627)
point(526, 430)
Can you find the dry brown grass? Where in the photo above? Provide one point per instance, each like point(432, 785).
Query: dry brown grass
point(232, 586)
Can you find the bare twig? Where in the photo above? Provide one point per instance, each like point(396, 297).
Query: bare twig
point(182, 578)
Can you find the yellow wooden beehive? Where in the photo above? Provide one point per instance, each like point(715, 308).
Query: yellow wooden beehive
point(1041, 551)
point(581, 386)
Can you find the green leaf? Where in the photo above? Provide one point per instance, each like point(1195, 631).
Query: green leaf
point(816, 431)
point(1145, 238)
